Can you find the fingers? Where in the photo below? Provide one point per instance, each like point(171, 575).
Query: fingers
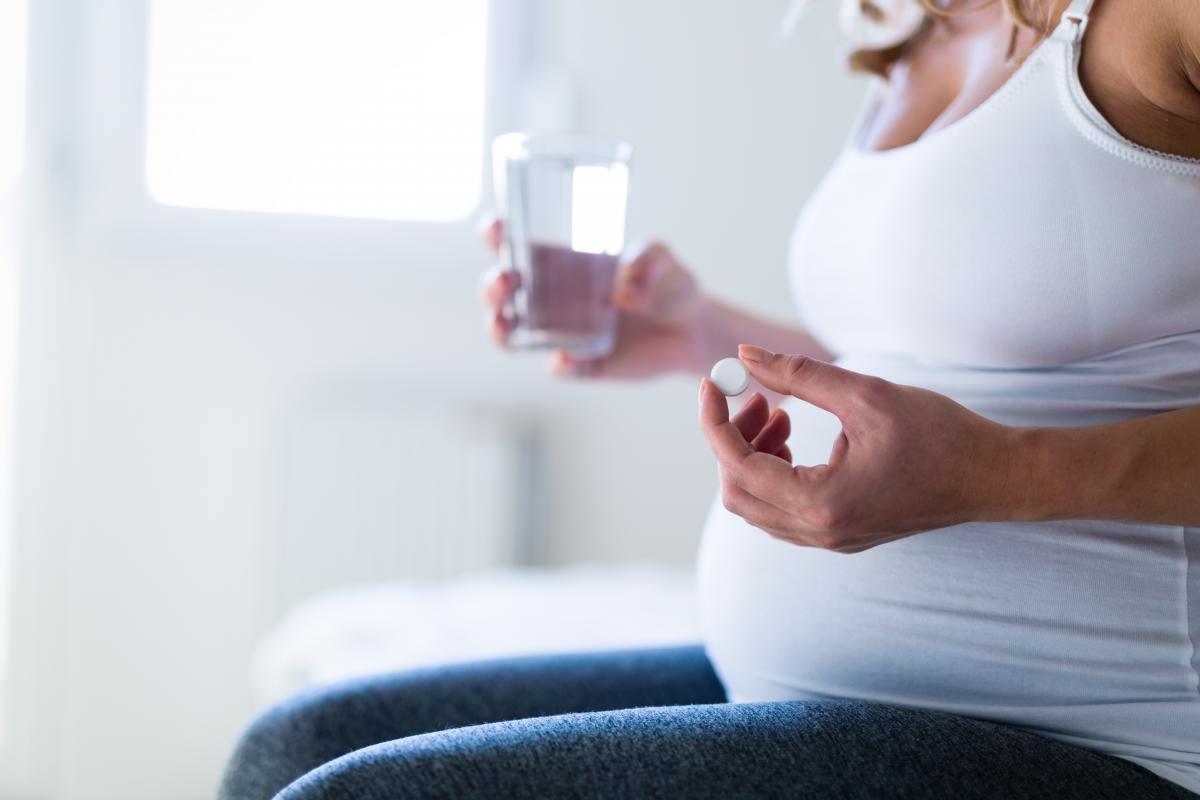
point(639, 274)
point(766, 430)
point(754, 415)
point(774, 434)
point(496, 286)
point(722, 435)
point(499, 326)
point(761, 474)
point(565, 365)
point(758, 481)
point(491, 231)
point(834, 389)
point(758, 513)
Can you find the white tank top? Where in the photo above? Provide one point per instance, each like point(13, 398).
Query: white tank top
point(1037, 267)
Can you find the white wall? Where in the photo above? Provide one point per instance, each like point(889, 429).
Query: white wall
point(151, 391)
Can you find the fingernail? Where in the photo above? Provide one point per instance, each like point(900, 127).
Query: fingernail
point(756, 355)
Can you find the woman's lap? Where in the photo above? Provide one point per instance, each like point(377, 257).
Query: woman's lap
point(642, 724)
point(315, 728)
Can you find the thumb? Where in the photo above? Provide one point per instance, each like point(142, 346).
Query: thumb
point(813, 381)
point(639, 275)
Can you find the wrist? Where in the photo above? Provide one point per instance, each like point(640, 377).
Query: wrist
point(1019, 497)
point(1050, 474)
point(707, 337)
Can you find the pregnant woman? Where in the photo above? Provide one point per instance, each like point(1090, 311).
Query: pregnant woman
point(961, 561)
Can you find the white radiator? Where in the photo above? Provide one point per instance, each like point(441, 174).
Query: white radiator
point(377, 492)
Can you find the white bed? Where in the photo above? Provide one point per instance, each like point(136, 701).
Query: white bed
point(365, 630)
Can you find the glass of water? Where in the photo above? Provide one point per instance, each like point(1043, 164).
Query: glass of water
point(562, 199)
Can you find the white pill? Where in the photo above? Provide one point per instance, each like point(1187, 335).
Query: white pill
point(730, 376)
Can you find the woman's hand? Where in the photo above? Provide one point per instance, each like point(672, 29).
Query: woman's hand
point(659, 307)
point(908, 460)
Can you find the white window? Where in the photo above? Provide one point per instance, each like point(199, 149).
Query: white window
point(345, 108)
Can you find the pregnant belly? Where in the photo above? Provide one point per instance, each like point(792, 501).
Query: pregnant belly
point(977, 619)
point(1079, 627)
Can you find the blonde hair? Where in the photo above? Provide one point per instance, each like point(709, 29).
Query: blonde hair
point(1032, 15)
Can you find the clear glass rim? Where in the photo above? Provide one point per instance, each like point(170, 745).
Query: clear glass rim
point(583, 146)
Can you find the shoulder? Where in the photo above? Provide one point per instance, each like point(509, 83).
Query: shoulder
point(1141, 68)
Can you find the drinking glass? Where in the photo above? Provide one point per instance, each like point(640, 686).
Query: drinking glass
point(562, 199)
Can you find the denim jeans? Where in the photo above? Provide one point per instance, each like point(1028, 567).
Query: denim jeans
point(642, 723)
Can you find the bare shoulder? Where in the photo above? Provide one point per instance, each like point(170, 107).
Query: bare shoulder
point(1141, 68)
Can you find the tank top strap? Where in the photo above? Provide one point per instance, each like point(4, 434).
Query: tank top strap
point(1073, 22)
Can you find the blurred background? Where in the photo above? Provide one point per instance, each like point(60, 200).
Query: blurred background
point(251, 435)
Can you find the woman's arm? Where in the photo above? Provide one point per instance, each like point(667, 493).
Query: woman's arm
point(910, 460)
point(721, 327)
point(666, 323)
point(1142, 470)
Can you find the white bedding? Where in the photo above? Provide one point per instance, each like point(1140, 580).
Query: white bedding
point(381, 628)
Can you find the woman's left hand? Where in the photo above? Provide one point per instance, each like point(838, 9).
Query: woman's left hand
point(907, 460)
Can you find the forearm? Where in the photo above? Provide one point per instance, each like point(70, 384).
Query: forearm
point(721, 327)
point(1143, 470)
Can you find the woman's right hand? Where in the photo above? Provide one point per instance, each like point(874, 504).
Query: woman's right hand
point(660, 320)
